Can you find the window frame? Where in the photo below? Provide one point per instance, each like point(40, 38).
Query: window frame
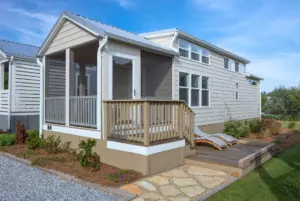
point(200, 53)
point(228, 63)
point(200, 89)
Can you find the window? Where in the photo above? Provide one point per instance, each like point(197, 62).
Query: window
point(242, 68)
point(87, 83)
point(184, 48)
point(226, 63)
point(237, 91)
point(183, 87)
point(195, 90)
point(237, 68)
point(193, 52)
point(205, 91)
point(205, 56)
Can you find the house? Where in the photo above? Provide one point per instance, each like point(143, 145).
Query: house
point(19, 85)
point(147, 93)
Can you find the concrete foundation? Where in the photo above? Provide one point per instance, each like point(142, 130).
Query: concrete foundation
point(29, 121)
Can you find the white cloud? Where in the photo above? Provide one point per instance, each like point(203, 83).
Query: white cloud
point(125, 3)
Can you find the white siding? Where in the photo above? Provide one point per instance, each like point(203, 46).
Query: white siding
point(25, 96)
point(69, 35)
point(223, 103)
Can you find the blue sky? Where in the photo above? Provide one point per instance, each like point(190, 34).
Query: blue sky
point(264, 31)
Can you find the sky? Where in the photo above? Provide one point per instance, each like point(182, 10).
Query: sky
point(266, 32)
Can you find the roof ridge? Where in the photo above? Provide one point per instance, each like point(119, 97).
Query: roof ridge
point(19, 43)
point(106, 24)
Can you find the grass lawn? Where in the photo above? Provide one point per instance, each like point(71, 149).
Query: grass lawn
point(278, 179)
point(286, 123)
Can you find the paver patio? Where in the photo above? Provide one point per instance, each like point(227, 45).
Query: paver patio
point(184, 183)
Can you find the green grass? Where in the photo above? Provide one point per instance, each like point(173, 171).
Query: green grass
point(278, 179)
point(286, 123)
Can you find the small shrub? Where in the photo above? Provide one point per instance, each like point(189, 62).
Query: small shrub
point(44, 161)
point(275, 128)
point(52, 144)
point(291, 124)
point(123, 176)
point(33, 140)
point(255, 126)
point(66, 146)
point(20, 133)
point(87, 158)
point(26, 154)
point(236, 129)
point(7, 139)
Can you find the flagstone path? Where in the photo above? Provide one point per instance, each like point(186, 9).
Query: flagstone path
point(180, 184)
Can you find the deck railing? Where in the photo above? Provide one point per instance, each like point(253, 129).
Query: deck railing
point(55, 110)
point(83, 111)
point(148, 121)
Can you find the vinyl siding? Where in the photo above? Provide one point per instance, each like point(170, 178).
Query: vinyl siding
point(222, 84)
point(69, 35)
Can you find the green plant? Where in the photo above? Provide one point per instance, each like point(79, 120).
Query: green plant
point(26, 154)
point(236, 129)
point(291, 124)
point(33, 140)
point(123, 176)
point(87, 158)
point(255, 126)
point(44, 161)
point(66, 146)
point(7, 139)
point(52, 144)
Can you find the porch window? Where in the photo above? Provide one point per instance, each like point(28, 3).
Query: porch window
point(195, 90)
point(183, 87)
point(237, 91)
point(183, 48)
point(205, 91)
point(87, 83)
point(226, 63)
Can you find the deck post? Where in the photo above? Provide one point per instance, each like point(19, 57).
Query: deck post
point(82, 80)
point(192, 116)
point(69, 69)
point(106, 120)
point(146, 123)
point(180, 121)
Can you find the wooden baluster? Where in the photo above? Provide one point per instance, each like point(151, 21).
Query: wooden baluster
point(146, 123)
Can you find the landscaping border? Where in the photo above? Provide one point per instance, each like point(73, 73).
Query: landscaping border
point(118, 193)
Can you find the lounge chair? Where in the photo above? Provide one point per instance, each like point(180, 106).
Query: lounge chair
point(227, 138)
point(211, 140)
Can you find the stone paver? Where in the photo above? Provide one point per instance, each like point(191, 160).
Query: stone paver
point(192, 191)
point(184, 181)
point(146, 185)
point(132, 188)
point(175, 173)
point(180, 184)
point(195, 170)
point(159, 180)
point(170, 190)
point(210, 182)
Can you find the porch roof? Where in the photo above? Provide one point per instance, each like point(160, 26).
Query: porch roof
point(9, 48)
point(100, 29)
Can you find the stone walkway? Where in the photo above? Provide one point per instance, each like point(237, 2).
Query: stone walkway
point(181, 184)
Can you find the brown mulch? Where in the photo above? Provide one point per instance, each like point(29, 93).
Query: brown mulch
point(69, 165)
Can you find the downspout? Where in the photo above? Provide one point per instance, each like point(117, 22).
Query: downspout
point(9, 93)
point(41, 117)
point(173, 64)
point(102, 44)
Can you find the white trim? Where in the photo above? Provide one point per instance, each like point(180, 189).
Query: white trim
point(110, 71)
point(24, 114)
point(10, 69)
point(42, 94)
point(73, 131)
point(3, 54)
point(142, 150)
point(69, 68)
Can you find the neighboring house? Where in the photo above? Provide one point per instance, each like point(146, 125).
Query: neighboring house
point(131, 103)
point(19, 85)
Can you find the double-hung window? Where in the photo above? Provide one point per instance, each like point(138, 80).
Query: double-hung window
point(195, 90)
point(184, 48)
point(237, 91)
point(236, 66)
point(226, 63)
point(183, 87)
point(205, 91)
point(195, 53)
point(205, 56)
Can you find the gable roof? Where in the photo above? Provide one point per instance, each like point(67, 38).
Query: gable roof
point(100, 29)
point(196, 40)
point(10, 48)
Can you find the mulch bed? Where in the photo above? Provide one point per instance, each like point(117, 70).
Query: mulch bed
point(67, 163)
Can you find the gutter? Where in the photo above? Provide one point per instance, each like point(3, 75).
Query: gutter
point(9, 93)
point(102, 44)
point(41, 117)
point(173, 40)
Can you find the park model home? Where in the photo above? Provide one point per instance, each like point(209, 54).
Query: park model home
point(136, 104)
point(19, 85)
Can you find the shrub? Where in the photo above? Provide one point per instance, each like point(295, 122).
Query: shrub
point(26, 154)
point(123, 176)
point(87, 158)
point(236, 129)
point(33, 140)
point(20, 133)
point(273, 125)
point(291, 124)
point(255, 126)
point(44, 161)
point(7, 139)
point(51, 144)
